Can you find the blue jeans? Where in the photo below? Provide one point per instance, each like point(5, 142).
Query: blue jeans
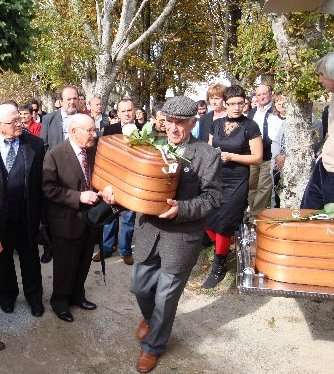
point(125, 224)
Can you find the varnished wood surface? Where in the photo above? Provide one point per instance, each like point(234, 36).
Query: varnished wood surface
point(312, 231)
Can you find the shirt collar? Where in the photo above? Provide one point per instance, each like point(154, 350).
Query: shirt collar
point(64, 114)
point(265, 108)
point(2, 139)
point(77, 150)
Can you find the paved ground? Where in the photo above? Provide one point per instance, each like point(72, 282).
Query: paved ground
point(227, 333)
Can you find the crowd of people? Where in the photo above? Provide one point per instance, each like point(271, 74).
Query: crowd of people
point(236, 151)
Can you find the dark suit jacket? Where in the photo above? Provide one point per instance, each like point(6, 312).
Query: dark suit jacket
point(52, 129)
point(33, 153)
point(63, 181)
point(113, 129)
point(199, 191)
point(103, 124)
point(204, 126)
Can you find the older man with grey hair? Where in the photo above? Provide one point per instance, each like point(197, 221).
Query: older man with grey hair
point(320, 189)
point(167, 247)
point(21, 160)
point(67, 187)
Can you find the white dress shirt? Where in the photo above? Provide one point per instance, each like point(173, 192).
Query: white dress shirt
point(77, 150)
point(259, 116)
point(328, 148)
point(5, 147)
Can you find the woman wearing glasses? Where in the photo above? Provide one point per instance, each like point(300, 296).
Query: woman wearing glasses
point(240, 143)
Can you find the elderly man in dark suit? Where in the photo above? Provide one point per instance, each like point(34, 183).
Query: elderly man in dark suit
point(54, 132)
point(167, 247)
point(20, 210)
point(67, 187)
point(54, 125)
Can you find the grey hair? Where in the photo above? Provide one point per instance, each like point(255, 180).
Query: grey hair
point(94, 97)
point(76, 119)
point(6, 109)
point(325, 66)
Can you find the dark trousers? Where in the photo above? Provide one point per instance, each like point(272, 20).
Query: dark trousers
point(320, 188)
point(16, 237)
point(71, 263)
point(158, 294)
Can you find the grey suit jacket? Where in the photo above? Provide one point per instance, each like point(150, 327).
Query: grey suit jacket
point(52, 129)
point(199, 191)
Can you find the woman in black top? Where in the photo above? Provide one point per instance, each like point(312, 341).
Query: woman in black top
point(240, 142)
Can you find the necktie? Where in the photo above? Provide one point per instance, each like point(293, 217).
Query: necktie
point(85, 166)
point(11, 156)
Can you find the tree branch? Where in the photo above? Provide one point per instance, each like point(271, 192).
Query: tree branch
point(128, 9)
point(154, 27)
point(88, 30)
point(108, 6)
point(98, 20)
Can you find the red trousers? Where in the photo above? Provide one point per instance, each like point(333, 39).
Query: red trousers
point(222, 242)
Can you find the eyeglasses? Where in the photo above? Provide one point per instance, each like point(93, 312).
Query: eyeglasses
point(88, 131)
point(12, 123)
point(35, 110)
point(240, 103)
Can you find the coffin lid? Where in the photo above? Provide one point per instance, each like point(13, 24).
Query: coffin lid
point(142, 151)
point(282, 213)
point(287, 6)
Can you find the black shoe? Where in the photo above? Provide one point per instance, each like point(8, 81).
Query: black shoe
point(65, 316)
point(86, 305)
point(46, 257)
point(217, 274)
point(7, 307)
point(2, 346)
point(37, 309)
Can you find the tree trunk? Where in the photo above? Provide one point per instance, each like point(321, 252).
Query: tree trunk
point(47, 101)
point(298, 129)
point(299, 142)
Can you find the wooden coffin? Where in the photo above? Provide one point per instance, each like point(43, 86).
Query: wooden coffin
point(135, 173)
point(295, 252)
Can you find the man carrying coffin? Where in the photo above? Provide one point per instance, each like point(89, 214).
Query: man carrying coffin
point(167, 247)
point(66, 185)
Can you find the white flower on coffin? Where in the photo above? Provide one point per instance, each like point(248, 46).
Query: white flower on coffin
point(129, 129)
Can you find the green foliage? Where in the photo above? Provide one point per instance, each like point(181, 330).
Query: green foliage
point(256, 52)
point(180, 53)
point(310, 37)
point(15, 32)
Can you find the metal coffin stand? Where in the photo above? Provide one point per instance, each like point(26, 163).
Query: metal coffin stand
point(249, 281)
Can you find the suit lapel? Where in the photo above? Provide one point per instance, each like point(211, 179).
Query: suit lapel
point(190, 149)
point(73, 160)
point(28, 155)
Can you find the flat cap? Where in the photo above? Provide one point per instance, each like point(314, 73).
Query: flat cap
point(180, 107)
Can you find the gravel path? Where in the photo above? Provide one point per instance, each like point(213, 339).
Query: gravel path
point(227, 333)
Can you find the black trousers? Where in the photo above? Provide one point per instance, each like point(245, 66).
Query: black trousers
point(16, 237)
point(71, 263)
point(320, 188)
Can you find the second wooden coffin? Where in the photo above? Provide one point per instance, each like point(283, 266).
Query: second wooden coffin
point(136, 175)
point(295, 252)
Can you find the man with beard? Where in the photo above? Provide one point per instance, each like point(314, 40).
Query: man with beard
point(54, 125)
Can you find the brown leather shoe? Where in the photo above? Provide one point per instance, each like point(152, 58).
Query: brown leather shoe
point(128, 260)
point(142, 330)
point(146, 362)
